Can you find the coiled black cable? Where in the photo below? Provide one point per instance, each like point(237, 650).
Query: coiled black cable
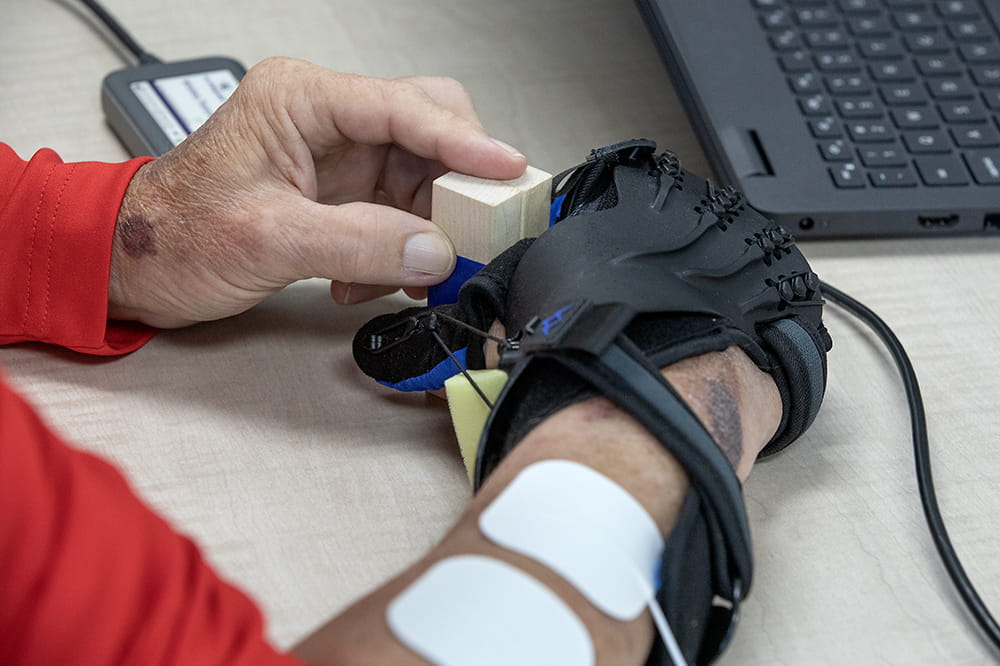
point(922, 459)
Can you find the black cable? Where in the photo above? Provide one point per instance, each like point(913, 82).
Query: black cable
point(921, 450)
point(143, 56)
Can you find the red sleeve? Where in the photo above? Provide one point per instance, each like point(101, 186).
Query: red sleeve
point(90, 575)
point(57, 223)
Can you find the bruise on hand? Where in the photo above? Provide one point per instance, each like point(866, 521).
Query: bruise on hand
point(137, 237)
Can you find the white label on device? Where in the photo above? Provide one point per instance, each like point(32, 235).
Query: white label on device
point(180, 104)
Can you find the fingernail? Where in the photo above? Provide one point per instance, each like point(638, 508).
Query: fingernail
point(509, 148)
point(428, 253)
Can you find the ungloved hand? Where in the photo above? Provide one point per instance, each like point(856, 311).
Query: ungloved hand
point(304, 172)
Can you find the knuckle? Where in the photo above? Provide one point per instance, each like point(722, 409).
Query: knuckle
point(272, 65)
point(269, 71)
point(406, 88)
point(450, 84)
point(357, 243)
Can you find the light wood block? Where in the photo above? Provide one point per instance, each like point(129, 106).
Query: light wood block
point(485, 217)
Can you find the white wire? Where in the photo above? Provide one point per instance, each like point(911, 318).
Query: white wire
point(662, 626)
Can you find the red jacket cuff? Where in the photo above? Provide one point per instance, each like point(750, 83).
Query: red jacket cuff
point(57, 224)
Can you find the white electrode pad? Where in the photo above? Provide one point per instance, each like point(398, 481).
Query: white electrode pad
point(583, 526)
point(472, 609)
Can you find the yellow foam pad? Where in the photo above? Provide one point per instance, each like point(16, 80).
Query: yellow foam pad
point(469, 412)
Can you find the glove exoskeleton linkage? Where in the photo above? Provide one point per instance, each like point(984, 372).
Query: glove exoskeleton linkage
point(645, 265)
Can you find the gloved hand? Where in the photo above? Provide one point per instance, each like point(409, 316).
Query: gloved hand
point(647, 265)
point(698, 268)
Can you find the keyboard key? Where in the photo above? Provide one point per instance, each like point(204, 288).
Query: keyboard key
point(869, 26)
point(939, 170)
point(825, 128)
point(870, 132)
point(859, 6)
point(796, 61)
point(986, 75)
point(963, 112)
point(893, 177)
point(859, 107)
point(915, 117)
point(906, 4)
point(928, 41)
point(950, 88)
point(913, 20)
point(893, 70)
point(958, 9)
point(926, 141)
point(985, 166)
point(775, 19)
point(817, 17)
point(975, 136)
point(766, 4)
point(970, 31)
point(880, 47)
point(903, 93)
point(992, 99)
point(883, 156)
point(847, 175)
point(837, 61)
point(786, 40)
point(835, 150)
point(826, 39)
point(815, 105)
point(988, 52)
point(850, 84)
point(804, 82)
point(939, 65)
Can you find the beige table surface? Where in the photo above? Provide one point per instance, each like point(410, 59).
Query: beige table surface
point(308, 485)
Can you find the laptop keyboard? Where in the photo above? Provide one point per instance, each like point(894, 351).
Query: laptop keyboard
point(895, 92)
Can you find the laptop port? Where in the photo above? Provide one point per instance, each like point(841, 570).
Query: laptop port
point(991, 222)
point(938, 221)
point(806, 223)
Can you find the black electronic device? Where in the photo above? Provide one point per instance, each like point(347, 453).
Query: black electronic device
point(856, 118)
point(152, 106)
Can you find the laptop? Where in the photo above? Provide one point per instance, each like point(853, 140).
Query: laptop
point(845, 118)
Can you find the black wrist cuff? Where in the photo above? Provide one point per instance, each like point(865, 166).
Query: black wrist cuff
point(584, 362)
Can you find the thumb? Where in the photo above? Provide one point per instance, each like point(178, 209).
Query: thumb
point(369, 244)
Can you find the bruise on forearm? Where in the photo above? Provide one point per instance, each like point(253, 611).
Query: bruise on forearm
point(712, 386)
point(723, 416)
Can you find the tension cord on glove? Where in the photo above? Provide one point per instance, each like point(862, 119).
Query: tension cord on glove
point(430, 322)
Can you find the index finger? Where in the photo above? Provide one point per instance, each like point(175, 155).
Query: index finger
point(378, 111)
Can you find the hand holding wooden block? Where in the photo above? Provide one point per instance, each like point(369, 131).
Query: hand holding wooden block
point(485, 217)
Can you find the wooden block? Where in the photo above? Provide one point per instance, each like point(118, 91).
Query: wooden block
point(485, 217)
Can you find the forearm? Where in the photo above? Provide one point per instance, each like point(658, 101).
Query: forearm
point(90, 575)
point(737, 402)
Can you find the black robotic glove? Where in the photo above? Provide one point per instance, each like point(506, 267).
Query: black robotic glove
point(646, 265)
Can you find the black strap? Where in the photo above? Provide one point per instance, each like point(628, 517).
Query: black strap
point(623, 375)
